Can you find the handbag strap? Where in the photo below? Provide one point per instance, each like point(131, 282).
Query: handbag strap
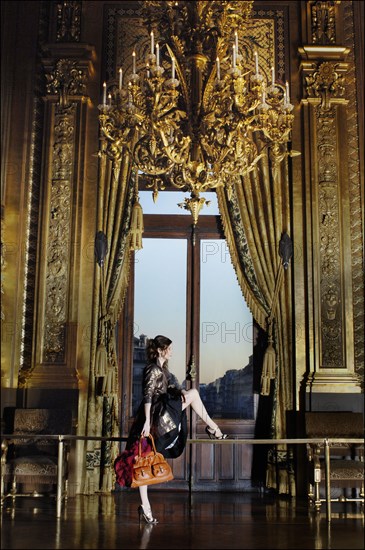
point(140, 444)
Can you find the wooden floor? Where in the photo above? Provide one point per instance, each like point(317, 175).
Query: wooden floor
point(204, 520)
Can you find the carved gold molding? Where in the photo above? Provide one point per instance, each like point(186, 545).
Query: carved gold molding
point(59, 236)
point(68, 21)
point(332, 321)
point(323, 21)
point(3, 264)
point(66, 79)
point(355, 181)
point(326, 83)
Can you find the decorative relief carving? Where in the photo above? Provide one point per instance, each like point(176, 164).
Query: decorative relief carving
point(325, 82)
point(59, 233)
point(32, 218)
point(62, 153)
point(66, 79)
point(355, 196)
point(331, 301)
point(330, 266)
point(323, 22)
point(3, 265)
point(68, 21)
point(329, 241)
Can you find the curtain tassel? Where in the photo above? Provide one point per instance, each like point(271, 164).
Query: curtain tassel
point(101, 360)
point(137, 227)
point(268, 369)
point(269, 361)
point(269, 364)
point(109, 381)
point(265, 385)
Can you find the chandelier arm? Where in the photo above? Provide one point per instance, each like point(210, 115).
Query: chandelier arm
point(180, 156)
point(180, 70)
point(220, 52)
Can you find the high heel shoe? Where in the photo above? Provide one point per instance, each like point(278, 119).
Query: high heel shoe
point(212, 433)
point(146, 516)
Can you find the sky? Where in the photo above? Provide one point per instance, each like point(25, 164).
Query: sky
point(160, 298)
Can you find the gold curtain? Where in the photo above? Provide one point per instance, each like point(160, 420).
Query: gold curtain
point(115, 197)
point(255, 218)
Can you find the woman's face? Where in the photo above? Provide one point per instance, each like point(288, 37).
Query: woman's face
point(166, 353)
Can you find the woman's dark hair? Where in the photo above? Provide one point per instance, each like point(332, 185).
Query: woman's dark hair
point(154, 344)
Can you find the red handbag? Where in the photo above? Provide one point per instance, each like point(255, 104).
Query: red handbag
point(151, 468)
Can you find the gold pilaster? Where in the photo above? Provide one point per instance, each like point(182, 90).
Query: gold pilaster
point(324, 69)
point(67, 68)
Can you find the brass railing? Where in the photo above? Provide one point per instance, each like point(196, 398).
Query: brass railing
point(326, 442)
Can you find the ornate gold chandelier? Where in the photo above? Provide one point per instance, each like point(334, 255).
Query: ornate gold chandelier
point(197, 117)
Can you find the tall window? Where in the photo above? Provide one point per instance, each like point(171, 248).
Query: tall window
point(185, 287)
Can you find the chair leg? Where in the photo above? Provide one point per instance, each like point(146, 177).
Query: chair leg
point(2, 487)
point(317, 481)
point(13, 486)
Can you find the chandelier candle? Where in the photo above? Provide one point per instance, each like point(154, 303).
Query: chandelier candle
point(104, 93)
point(152, 43)
point(272, 76)
point(157, 55)
point(120, 78)
point(287, 98)
point(218, 69)
point(256, 63)
point(173, 68)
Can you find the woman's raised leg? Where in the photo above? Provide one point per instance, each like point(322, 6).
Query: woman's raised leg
point(192, 397)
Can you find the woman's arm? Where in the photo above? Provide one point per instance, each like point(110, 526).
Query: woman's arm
point(147, 423)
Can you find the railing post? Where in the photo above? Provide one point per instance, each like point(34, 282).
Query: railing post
point(59, 477)
point(328, 478)
point(4, 451)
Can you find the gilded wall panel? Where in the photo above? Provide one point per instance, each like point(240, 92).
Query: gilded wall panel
point(124, 33)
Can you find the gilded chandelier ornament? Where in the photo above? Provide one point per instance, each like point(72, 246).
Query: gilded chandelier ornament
point(196, 117)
